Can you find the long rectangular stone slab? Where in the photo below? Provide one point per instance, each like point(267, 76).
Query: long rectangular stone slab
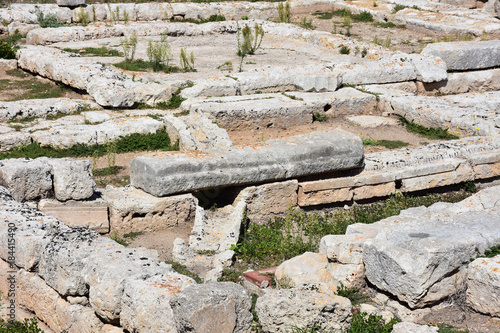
point(279, 110)
point(463, 56)
point(161, 174)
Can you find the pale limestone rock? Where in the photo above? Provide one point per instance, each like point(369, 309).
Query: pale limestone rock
point(281, 310)
point(26, 179)
point(132, 210)
point(213, 307)
point(268, 200)
point(407, 327)
point(307, 269)
point(145, 302)
point(89, 214)
point(483, 286)
point(314, 153)
point(324, 197)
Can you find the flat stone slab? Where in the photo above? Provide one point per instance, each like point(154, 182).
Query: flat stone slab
point(372, 121)
point(463, 56)
point(475, 113)
point(43, 107)
point(161, 174)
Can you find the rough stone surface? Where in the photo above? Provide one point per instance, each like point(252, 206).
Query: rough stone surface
point(280, 310)
point(34, 294)
point(133, 210)
point(301, 155)
point(26, 179)
point(268, 200)
point(407, 327)
point(70, 3)
point(213, 307)
point(307, 269)
point(91, 214)
point(466, 55)
point(417, 251)
point(42, 107)
point(145, 302)
point(483, 285)
point(72, 178)
point(7, 64)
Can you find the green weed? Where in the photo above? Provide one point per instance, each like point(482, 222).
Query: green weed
point(49, 21)
point(187, 63)
point(432, 133)
point(364, 16)
point(95, 51)
point(201, 20)
point(8, 50)
point(398, 7)
point(344, 50)
point(119, 240)
point(388, 25)
point(321, 117)
point(284, 12)
point(35, 89)
point(364, 323)
point(352, 293)
point(107, 171)
point(306, 24)
point(179, 268)
point(133, 235)
point(16, 72)
point(449, 329)
point(160, 54)
point(389, 144)
point(26, 326)
point(132, 142)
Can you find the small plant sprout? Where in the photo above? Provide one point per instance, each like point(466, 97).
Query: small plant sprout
point(187, 63)
point(306, 24)
point(344, 50)
point(129, 45)
point(159, 53)
point(284, 12)
point(251, 41)
point(83, 17)
point(126, 17)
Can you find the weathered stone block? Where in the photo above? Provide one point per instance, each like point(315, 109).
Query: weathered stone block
point(374, 191)
point(88, 214)
point(133, 210)
point(281, 310)
point(268, 200)
point(162, 174)
point(213, 307)
point(26, 179)
point(462, 174)
point(463, 56)
point(483, 285)
point(324, 197)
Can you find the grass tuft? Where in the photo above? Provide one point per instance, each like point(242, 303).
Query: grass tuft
point(432, 133)
point(95, 51)
point(181, 269)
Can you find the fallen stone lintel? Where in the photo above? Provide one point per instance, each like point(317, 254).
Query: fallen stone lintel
point(161, 174)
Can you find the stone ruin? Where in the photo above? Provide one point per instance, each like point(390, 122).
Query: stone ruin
point(74, 279)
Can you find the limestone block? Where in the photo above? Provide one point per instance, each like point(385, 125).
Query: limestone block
point(268, 200)
point(414, 251)
point(88, 214)
point(307, 269)
point(105, 272)
point(161, 174)
point(374, 191)
point(463, 56)
point(213, 307)
point(8, 64)
point(462, 174)
point(133, 210)
point(145, 302)
point(35, 295)
point(345, 249)
point(483, 286)
point(485, 171)
point(26, 179)
point(324, 197)
point(70, 3)
point(63, 260)
point(72, 178)
point(407, 327)
point(280, 310)
point(13, 139)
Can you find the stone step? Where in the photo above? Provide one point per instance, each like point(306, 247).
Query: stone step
point(167, 173)
point(463, 56)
